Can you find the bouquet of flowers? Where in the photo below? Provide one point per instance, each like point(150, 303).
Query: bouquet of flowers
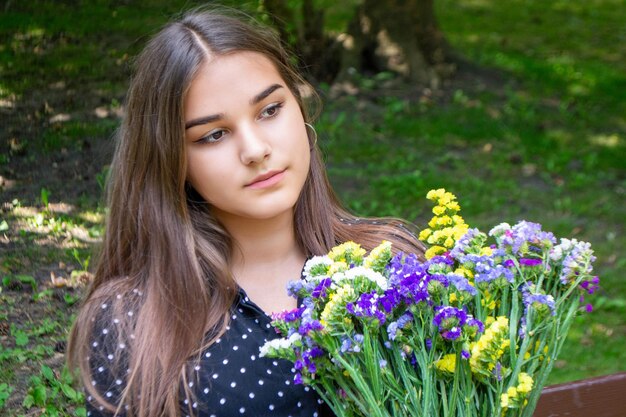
point(471, 330)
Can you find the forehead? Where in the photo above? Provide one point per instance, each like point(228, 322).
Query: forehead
point(234, 78)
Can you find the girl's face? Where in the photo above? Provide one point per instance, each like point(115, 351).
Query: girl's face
point(247, 147)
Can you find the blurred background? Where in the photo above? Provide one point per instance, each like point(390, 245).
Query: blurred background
point(518, 107)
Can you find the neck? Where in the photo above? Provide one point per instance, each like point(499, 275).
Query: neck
point(265, 257)
point(269, 244)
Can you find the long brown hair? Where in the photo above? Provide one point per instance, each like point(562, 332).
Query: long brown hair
point(163, 269)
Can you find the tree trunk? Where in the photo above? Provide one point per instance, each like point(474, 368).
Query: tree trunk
point(396, 35)
point(317, 53)
point(401, 36)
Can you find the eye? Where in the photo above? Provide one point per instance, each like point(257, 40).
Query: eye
point(271, 111)
point(211, 137)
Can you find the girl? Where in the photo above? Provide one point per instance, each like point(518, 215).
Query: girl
point(217, 196)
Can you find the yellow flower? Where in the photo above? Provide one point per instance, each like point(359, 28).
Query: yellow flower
point(459, 230)
point(445, 199)
point(444, 221)
point(435, 194)
point(348, 252)
point(453, 205)
point(336, 303)
point(424, 234)
point(434, 251)
point(458, 219)
point(338, 266)
point(512, 392)
point(504, 401)
point(439, 210)
point(378, 257)
point(452, 298)
point(447, 363)
point(490, 347)
point(525, 383)
point(464, 272)
point(486, 251)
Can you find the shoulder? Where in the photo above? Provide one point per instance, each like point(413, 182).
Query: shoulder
point(105, 328)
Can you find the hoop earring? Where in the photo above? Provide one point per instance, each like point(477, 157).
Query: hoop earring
point(314, 133)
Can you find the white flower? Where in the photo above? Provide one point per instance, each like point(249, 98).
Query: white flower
point(278, 344)
point(317, 261)
point(361, 271)
point(559, 251)
point(500, 229)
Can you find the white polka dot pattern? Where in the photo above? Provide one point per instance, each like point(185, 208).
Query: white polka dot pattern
point(230, 379)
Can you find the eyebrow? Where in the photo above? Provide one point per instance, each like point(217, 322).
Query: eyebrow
point(215, 117)
point(263, 94)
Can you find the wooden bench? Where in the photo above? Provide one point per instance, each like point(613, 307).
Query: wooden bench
point(603, 396)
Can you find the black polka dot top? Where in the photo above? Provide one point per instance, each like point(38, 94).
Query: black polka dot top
point(231, 379)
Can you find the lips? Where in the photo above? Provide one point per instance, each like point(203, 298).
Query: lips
point(266, 180)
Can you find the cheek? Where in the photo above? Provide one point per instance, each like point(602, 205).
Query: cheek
point(204, 176)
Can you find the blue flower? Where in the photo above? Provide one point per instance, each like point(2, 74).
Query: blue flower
point(294, 288)
point(462, 284)
point(541, 303)
point(402, 322)
point(473, 237)
point(526, 237)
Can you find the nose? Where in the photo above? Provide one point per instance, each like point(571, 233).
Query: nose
point(255, 147)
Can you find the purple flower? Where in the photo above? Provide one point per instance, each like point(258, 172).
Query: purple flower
point(289, 316)
point(297, 379)
point(452, 333)
point(439, 264)
point(530, 262)
point(308, 358)
point(402, 266)
point(497, 371)
point(449, 320)
point(390, 300)
point(465, 354)
point(509, 263)
point(320, 289)
point(429, 344)
point(530, 235)
point(309, 326)
point(591, 286)
point(472, 322)
point(367, 306)
point(413, 288)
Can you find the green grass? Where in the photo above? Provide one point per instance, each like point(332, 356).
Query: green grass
point(540, 135)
